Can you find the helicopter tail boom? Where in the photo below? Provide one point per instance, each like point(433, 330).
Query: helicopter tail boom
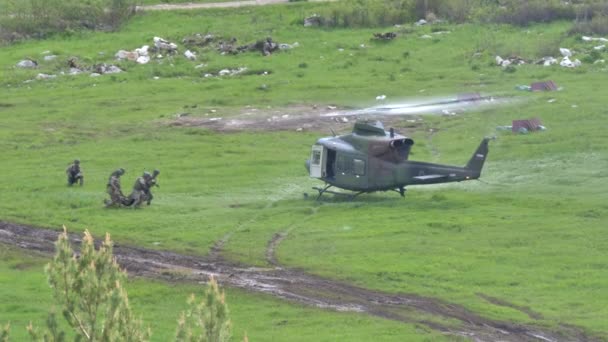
point(475, 164)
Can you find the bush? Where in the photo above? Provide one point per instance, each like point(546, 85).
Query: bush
point(367, 13)
point(40, 18)
point(88, 288)
point(597, 25)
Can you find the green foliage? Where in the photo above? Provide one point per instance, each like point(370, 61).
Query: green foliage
point(207, 320)
point(598, 24)
point(40, 18)
point(367, 13)
point(88, 288)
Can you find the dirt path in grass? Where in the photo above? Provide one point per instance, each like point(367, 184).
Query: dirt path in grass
point(227, 4)
point(299, 287)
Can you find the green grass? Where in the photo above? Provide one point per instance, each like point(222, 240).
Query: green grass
point(532, 235)
point(261, 318)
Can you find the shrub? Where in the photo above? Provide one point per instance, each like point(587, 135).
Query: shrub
point(40, 18)
point(597, 25)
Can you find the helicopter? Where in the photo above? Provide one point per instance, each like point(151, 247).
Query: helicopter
point(372, 159)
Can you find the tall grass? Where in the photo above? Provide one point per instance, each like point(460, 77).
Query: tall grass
point(39, 18)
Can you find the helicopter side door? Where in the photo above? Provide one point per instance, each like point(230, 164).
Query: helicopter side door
point(318, 159)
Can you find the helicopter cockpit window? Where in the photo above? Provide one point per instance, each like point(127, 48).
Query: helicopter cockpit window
point(316, 157)
point(359, 167)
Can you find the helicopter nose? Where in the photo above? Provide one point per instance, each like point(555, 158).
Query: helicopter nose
point(307, 164)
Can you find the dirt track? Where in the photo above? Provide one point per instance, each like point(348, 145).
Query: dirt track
point(297, 286)
point(227, 4)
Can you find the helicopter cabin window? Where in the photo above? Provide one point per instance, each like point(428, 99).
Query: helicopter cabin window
point(359, 167)
point(316, 157)
point(344, 164)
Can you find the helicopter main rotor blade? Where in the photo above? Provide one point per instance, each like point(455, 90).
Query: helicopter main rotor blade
point(427, 107)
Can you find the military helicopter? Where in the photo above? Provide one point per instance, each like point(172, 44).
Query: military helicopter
point(372, 159)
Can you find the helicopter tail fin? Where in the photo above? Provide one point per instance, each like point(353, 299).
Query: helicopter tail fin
point(475, 164)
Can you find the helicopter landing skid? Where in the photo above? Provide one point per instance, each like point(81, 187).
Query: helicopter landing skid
point(325, 190)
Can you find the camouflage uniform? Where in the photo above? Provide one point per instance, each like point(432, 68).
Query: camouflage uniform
point(150, 182)
point(113, 188)
point(74, 173)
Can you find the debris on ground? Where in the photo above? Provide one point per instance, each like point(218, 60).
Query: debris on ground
point(190, 55)
point(421, 22)
point(589, 39)
point(165, 45)
point(27, 64)
point(140, 55)
point(314, 20)
point(44, 76)
point(50, 58)
point(265, 46)
point(104, 68)
point(543, 86)
point(512, 60)
point(199, 40)
point(527, 125)
point(546, 61)
point(381, 97)
point(566, 62)
point(565, 52)
point(385, 36)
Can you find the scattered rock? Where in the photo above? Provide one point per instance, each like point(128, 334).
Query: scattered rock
point(163, 44)
point(588, 39)
point(565, 52)
point(190, 55)
point(314, 20)
point(385, 36)
point(421, 22)
point(27, 64)
point(44, 76)
point(566, 62)
point(50, 58)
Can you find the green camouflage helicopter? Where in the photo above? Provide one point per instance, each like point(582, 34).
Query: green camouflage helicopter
point(372, 159)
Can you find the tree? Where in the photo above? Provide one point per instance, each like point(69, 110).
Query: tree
point(88, 288)
point(207, 320)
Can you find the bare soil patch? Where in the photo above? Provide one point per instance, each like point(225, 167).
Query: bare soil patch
point(295, 118)
point(300, 287)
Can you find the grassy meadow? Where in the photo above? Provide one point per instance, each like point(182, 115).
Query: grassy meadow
point(531, 233)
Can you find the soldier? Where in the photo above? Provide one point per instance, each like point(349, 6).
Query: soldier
point(138, 194)
point(113, 187)
point(74, 173)
point(150, 182)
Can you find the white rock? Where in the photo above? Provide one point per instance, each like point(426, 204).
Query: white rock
point(26, 63)
point(421, 22)
point(426, 36)
point(121, 54)
point(143, 59)
point(75, 71)
point(599, 47)
point(112, 69)
point(565, 52)
point(95, 74)
point(190, 55)
point(44, 76)
point(224, 72)
point(549, 61)
point(499, 60)
point(143, 51)
point(380, 97)
point(50, 58)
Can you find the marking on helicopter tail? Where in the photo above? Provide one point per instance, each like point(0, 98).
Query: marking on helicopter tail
point(479, 155)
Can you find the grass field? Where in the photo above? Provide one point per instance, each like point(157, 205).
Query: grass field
point(532, 233)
